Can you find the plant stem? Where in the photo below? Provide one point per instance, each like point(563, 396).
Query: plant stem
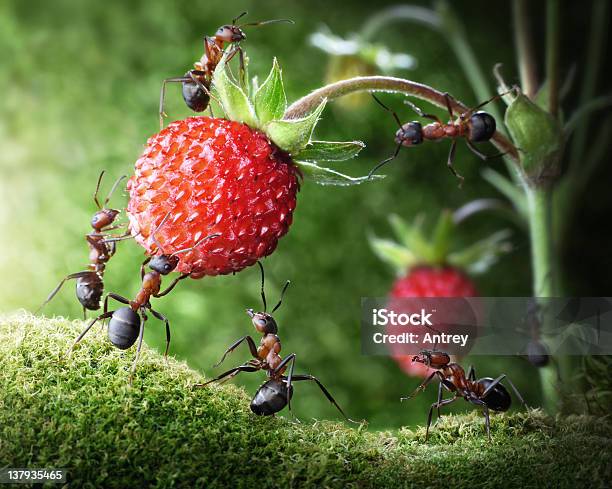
point(552, 55)
point(306, 104)
point(524, 48)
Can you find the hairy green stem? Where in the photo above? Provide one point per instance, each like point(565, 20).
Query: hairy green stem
point(306, 104)
point(524, 48)
point(552, 55)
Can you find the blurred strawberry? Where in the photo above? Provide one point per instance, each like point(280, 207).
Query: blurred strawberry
point(427, 268)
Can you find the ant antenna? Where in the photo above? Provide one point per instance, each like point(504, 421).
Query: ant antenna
point(235, 19)
point(95, 196)
point(395, 116)
point(264, 22)
point(163, 221)
point(280, 301)
point(263, 293)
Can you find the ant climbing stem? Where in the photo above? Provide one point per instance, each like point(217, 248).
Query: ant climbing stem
point(90, 282)
point(127, 323)
point(276, 393)
point(473, 126)
point(197, 82)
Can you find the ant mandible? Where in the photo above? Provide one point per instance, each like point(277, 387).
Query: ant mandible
point(197, 82)
point(276, 393)
point(125, 325)
point(474, 126)
point(90, 282)
point(487, 392)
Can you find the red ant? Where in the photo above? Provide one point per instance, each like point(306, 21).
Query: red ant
point(486, 392)
point(276, 393)
point(197, 82)
point(90, 282)
point(473, 126)
point(125, 326)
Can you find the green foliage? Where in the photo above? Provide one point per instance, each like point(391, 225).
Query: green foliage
point(330, 151)
point(270, 98)
point(80, 413)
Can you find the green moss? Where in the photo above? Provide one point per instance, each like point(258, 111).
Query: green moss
point(79, 413)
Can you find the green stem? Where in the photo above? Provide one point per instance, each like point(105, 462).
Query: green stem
point(306, 104)
point(524, 48)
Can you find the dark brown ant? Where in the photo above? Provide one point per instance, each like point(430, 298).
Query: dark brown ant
point(125, 325)
point(486, 392)
point(90, 282)
point(276, 393)
point(197, 82)
point(473, 126)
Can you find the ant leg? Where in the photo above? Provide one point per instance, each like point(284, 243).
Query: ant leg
point(112, 190)
point(138, 348)
point(162, 97)
point(384, 162)
point(449, 106)
point(238, 49)
point(163, 318)
point(324, 390)
point(89, 326)
point(201, 86)
point(117, 297)
point(471, 374)
point(421, 113)
point(481, 155)
point(82, 274)
point(439, 400)
point(423, 385)
point(84, 313)
point(451, 159)
point(235, 345)
point(436, 405)
point(279, 369)
point(230, 374)
point(172, 285)
point(395, 116)
point(497, 381)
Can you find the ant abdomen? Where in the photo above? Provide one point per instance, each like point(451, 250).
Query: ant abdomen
point(123, 328)
point(89, 290)
point(498, 398)
point(271, 398)
point(482, 127)
point(196, 98)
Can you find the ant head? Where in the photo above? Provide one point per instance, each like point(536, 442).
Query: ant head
point(230, 33)
point(433, 359)
point(103, 218)
point(164, 264)
point(263, 322)
point(482, 126)
point(409, 134)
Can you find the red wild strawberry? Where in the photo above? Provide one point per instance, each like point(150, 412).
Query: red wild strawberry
point(429, 268)
point(234, 176)
point(212, 176)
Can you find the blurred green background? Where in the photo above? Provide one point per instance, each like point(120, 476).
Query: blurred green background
point(80, 85)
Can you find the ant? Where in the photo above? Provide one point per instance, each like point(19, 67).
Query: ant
point(196, 82)
point(90, 282)
point(276, 393)
point(125, 325)
point(486, 392)
point(474, 126)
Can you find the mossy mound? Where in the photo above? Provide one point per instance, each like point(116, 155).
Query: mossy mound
point(80, 414)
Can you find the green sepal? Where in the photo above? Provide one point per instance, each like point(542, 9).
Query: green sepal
point(412, 236)
point(327, 176)
point(330, 151)
point(442, 237)
point(234, 100)
point(270, 98)
point(292, 135)
point(538, 137)
point(478, 257)
point(392, 253)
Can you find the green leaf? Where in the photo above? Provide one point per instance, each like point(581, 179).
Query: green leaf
point(412, 237)
point(330, 151)
point(442, 237)
point(270, 98)
point(392, 253)
point(233, 99)
point(326, 176)
point(292, 135)
point(537, 135)
point(478, 257)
